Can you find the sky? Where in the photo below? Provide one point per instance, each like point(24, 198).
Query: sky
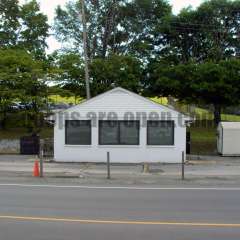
point(48, 7)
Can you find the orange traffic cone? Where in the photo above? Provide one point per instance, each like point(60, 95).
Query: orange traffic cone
point(36, 169)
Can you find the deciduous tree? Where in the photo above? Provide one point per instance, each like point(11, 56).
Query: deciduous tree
point(212, 83)
point(22, 78)
point(23, 27)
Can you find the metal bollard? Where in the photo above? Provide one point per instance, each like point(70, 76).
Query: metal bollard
point(108, 166)
point(183, 165)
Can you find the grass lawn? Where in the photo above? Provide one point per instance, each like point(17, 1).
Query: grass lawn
point(205, 114)
point(60, 99)
point(203, 140)
point(162, 100)
point(201, 114)
point(203, 137)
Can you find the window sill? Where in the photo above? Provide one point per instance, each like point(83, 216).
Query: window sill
point(69, 145)
point(160, 146)
point(119, 146)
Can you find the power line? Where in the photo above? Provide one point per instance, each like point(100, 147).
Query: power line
point(198, 24)
point(200, 29)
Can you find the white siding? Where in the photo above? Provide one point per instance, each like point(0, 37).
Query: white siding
point(120, 102)
point(219, 139)
point(229, 138)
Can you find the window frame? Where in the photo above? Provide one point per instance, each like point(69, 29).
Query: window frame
point(119, 133)
point(173, 133)
point(87, 144)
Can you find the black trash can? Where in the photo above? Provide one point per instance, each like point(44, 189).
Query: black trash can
point(29, 145)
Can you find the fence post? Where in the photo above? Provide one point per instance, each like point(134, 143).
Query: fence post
point(183, 165)
point(108, 166)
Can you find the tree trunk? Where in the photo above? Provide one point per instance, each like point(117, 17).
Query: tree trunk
point(109, 27)
point(217, 113)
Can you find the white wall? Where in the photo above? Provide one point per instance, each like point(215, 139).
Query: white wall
point(219, 139)
point(119, 102)
point(231, 143)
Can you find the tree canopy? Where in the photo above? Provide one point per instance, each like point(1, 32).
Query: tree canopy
point(21, 79)
point(208, 83)
point(23, 27)
point(112, 71)
point(129, 27)
point(210, 32)
point(137, 44)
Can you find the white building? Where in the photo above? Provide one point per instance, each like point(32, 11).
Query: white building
point(132, 128)
point(228, 141)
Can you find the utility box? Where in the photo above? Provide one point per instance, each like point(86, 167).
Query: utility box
point(228, 138)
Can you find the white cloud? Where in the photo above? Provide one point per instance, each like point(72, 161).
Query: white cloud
point(179, 4)
point(48, 7)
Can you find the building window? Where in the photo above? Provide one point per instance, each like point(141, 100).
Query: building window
point(78, 132)
point(160, 133)
point(119, 132)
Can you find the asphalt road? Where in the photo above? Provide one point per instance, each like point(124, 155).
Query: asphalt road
point(41, 212)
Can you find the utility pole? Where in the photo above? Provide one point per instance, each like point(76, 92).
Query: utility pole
point(83, 19)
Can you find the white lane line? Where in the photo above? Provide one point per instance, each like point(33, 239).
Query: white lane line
point(117, 187)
